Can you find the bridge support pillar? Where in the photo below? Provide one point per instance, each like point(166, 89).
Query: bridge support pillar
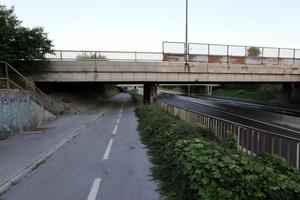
point(208, 90)
point(287, 89)
point(150, 93)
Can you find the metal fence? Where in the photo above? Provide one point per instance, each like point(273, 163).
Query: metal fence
point(198, 52)
point(250, 140)
point(72, 55)
point(231, 54)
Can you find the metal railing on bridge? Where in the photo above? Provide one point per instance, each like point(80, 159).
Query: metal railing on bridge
point(198, 52)
point(73, 55)
point(231, 54)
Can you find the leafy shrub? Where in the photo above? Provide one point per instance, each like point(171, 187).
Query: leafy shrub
point(254, 51)
point(231, 142)
point(190, 164)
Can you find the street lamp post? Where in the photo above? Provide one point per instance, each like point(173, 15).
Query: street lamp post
point(186, 45)
point(186, 48)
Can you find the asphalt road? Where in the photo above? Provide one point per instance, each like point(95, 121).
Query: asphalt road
point(188, 104)
point(222, 102)
point(105, 162)
point(287, 117)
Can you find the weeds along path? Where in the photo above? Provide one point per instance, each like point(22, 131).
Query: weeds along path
point(191, 164)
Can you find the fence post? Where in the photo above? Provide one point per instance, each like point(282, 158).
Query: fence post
point(7, 77)
point(294, 56)
point(227, 54)
point(262, 55)
point(278, 56)
point(238, 137)
point(60, 55)
point(208, 49)
point(298, 154)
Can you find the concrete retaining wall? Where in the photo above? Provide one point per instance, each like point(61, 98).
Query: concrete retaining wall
point(18, 113)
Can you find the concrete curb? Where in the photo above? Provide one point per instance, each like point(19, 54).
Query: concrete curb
point(35, 164)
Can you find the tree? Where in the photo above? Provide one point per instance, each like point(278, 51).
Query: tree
point(91, 56)
point(254, 51)
point(18, 43)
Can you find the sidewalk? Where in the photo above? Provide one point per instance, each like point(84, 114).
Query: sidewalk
point(18, 152)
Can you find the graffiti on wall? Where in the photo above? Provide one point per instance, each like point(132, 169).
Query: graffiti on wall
point(16, 112)
point(9, 99)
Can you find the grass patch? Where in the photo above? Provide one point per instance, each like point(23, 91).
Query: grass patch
point(261, 92)
point(190, 164)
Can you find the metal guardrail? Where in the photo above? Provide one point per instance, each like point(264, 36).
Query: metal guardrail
point(229, 50)
point(10, 78)
point(231, 54)
point(198, 52)
point(250, 140)
point(73, 55)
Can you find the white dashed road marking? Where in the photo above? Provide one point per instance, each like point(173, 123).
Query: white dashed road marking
point(94, 190)
point(115, 130)
point(108, 149)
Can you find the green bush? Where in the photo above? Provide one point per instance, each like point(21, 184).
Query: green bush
point(190, 164)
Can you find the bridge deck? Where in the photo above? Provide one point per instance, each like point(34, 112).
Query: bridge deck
point(165, 72)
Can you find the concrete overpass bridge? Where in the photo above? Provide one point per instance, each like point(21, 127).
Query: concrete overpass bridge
point(208, 63)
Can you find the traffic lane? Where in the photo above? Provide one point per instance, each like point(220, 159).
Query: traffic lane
point(269, 108)
point(128, 167)
point(231, 117)
point(69, 173)
point(269, 117)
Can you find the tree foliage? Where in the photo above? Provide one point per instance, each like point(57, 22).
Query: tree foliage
point(19, 43)
point(91, 56)
point(254, 51)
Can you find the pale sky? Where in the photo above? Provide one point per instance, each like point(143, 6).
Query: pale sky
point(142, 25)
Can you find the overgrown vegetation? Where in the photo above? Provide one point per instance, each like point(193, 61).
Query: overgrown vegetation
point(190, 164)
point(107, 91)
point(19, 43)
point(263, 92)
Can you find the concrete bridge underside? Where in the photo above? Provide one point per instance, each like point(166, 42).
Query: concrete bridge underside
point(153, 73)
